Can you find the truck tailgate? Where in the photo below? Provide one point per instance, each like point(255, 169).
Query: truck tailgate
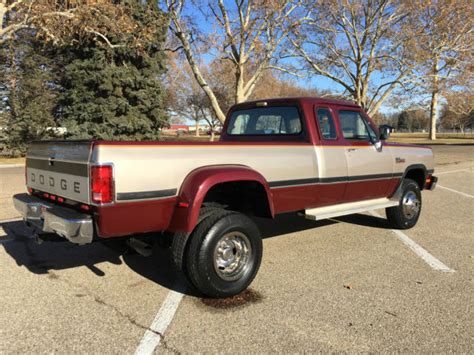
point(60, 168)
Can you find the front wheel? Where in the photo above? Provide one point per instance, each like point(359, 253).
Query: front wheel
point(406, 214)
point(224, 254)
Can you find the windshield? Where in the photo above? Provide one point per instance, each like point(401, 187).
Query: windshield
point(280, 120)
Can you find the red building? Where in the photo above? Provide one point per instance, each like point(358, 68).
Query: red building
point(179, 127)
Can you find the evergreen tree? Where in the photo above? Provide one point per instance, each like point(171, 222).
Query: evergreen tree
point(403, 121)
point(115, 91)
point(30, 92)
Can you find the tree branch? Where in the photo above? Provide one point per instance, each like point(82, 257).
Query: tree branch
point(104, 38)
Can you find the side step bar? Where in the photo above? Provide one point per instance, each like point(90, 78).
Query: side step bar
point(343, 209)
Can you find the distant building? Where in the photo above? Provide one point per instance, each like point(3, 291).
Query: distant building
point(176, 128)
point(182, 127)
point(202, 128)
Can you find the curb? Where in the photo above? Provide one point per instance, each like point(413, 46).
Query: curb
point(6, 166)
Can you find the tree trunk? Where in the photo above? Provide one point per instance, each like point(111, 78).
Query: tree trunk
point(433, 114)
point(197, 128)
point(434, 100)
point(212, 135)
point(239, 86)
point(13, 102)
point(3, 10)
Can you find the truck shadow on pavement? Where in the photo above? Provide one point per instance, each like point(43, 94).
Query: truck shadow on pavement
point(291, 223)
point(365, 221)
point(39, 259)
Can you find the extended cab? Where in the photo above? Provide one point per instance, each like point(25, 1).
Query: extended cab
point(322, 158)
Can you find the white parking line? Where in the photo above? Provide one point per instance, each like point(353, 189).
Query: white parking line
point(6, 240)
point(152, 338)
point(419, 250)
point(453, 171)
point(455, 191)
point(14, 219)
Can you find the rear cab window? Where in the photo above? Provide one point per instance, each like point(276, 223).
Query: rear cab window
point(265, 121)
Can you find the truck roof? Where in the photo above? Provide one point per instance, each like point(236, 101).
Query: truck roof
point(299, 99)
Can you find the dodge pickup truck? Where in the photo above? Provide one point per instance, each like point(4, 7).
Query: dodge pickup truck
point(318, 157)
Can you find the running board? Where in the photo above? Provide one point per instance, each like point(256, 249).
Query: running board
point(343, 209)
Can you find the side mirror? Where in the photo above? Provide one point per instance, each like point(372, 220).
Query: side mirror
point(378, 145)
point(385, 131)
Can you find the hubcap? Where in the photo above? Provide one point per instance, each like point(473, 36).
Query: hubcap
point(232, 256)
point(411, 205)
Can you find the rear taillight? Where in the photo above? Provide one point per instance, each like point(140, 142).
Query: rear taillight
point(428, 181)
point(102, 184)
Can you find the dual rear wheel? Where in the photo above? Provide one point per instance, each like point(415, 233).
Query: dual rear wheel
point(222, 255)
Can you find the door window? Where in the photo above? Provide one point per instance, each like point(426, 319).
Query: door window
point(326, 125)
point(354, 127)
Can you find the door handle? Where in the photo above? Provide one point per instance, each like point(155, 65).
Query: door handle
point(351, 149)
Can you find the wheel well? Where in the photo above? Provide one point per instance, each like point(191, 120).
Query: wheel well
point(248, 197)
point(417, 175)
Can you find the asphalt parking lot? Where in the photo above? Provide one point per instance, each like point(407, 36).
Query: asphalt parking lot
point(345, 285)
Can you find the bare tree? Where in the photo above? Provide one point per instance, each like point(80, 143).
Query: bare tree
point(213, 123)
point(16, 15)
point(359, 45)
point(248, 35)
point(185, 98)
point(444, 44)
point(273, 84)
point(40, 15)
point(65, 21)
point(180, 86)
point(459, 109)
point(460, 102)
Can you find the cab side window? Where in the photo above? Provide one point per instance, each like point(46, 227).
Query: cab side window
point(354, 127)
point(327, 129)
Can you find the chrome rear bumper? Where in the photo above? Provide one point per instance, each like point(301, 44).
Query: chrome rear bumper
point(48, 218)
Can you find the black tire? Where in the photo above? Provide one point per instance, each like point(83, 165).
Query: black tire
point(406, 214)
point(180, 240)
point(243, 245)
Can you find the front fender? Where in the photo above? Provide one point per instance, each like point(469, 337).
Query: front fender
point(199, 181)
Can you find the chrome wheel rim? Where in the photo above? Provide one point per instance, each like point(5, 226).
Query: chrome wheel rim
point(411, 205)
point(232, 256)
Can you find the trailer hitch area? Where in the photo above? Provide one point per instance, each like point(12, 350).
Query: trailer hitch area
point(140, 246)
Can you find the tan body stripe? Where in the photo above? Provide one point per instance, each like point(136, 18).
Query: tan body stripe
point(165, 167)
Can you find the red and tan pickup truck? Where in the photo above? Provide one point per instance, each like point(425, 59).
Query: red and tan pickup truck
point(322, 158)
